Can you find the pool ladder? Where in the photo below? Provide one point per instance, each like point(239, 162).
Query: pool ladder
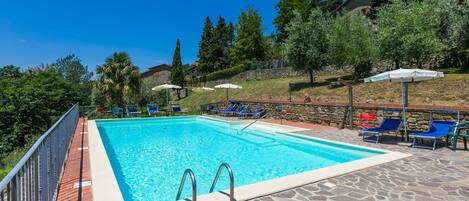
point(214, 183)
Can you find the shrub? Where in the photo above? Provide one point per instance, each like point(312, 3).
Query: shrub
point(226, 73)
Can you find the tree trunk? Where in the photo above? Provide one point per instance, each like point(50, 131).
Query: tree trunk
point(311, 77)
point(397, 63)
point(178, 92)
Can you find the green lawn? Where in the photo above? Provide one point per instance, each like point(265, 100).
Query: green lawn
point(449, 91)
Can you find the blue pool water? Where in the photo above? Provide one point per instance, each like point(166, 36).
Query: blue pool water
point(149, 156)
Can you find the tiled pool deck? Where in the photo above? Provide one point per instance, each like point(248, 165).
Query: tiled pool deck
point(426, 175)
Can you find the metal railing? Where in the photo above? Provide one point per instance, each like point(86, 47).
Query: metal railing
point(36, 176)
point(230, 173)
point(183, 181)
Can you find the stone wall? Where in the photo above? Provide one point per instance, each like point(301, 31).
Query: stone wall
point(336, 114)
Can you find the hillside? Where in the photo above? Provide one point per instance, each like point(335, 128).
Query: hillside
point(449, 91)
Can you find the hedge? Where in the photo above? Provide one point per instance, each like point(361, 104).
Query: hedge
point(226, 73)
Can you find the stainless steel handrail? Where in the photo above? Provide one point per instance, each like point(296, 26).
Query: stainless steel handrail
point(260, 117)
point(36, 176)
point(230, 173)
point(183, 181)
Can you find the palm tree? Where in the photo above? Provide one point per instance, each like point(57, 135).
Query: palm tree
point(118, 78)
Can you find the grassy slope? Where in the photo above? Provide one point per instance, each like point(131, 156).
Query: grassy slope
point(451, 90)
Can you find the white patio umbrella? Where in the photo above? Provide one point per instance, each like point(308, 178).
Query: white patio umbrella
point(202, 89)
point(167, 87)
point(228, 86)
point(405, 76)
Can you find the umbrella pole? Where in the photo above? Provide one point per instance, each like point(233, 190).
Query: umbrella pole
point(404, 100)
point(227, 99)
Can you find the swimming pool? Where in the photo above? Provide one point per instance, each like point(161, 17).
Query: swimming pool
point(148, 156)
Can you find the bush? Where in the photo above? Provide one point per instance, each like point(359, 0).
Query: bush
point(226, 73)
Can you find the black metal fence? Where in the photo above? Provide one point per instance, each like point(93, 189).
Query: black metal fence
point(37, 174)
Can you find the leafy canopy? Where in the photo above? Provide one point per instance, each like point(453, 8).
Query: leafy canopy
point(352, 42)
point(286, 12)
point(71, 68)
point(30, 104)
point(306, 44)
point(117, 78)
point(408, 32)
point(205, 56)
point(250, 43)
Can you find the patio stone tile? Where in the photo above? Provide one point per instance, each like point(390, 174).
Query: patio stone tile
point(426, 175)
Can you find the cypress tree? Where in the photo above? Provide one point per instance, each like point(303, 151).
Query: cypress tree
point(205, 58)
point(220, 43)
point(177, 72)
point(231, 35)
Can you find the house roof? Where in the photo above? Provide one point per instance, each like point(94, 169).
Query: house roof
point(154, 69)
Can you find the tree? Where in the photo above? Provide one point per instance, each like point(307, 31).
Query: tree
point(147, 95)
point(205, 57)
point(306, 44)
point(30, 105)
point(375, 5)
point(285, 10)
point(71, 69)
point(231, 35)
point(453, 30)
point(118, 77)
point(221, 45)
point(10, 71)
point(250, 43)
point(177, 71)
point(408, 32)
point(352, 42)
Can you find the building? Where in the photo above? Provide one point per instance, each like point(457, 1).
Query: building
point(159, 72)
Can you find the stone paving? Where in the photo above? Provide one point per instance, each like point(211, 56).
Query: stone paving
point(426, 175)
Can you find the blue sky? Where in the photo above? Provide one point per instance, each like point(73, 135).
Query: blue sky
point(34, 32)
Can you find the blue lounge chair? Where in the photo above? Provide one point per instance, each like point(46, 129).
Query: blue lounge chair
point(230, 109)
point(438, 130)
point(237, 110)
point(388, 125)
point(176, 109)
point(256, 114)
point(132, 110)
point(152, 109)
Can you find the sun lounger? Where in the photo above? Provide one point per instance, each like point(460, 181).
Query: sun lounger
point(256, 114)
point(176, 109)
point(388, 125)
point(152, 109)
point(132, 110)
point(438, 130)
point(230, 109)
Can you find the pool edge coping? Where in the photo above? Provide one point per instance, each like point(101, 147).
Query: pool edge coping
point(105, 186)
point(105, 175)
